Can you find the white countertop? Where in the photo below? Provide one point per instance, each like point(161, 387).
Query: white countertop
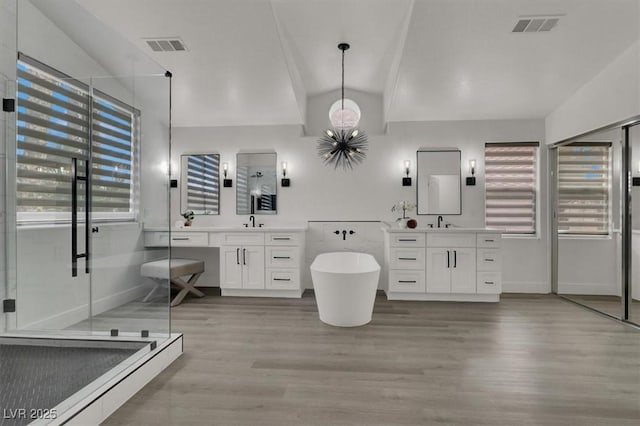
point(227, 229)
point(440, 230)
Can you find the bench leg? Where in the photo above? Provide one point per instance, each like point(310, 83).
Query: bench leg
point(152, 292)
point(186, 287)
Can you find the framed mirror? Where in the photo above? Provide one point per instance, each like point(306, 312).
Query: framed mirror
point(200, 183)
point(256, 183)
point(439, 182)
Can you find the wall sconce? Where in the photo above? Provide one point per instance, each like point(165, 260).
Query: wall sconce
point(285, 180)
point(471, 180)
point(406, 181)
point(227, 183)
point(635, 181)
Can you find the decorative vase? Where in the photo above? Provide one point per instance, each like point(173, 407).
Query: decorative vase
point(402, 222)
point(412, 223)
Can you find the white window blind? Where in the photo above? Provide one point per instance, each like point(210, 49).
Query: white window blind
point(55, 115)
point(203, 173)
point(584, 188)
point(511, 186)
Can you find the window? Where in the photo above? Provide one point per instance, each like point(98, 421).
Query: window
point(57, 119)
point(584, 188)
point(511, 186)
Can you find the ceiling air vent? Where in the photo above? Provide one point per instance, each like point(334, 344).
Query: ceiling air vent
point(166, 44)
point(536, 24)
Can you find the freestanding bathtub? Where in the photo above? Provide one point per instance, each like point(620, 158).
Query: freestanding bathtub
point(345, 285)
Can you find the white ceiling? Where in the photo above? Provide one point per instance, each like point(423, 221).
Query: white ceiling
point(255, 61)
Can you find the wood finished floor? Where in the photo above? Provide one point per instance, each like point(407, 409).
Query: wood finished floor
point(529, 360)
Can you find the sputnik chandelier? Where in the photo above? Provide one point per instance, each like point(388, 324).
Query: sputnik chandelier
point(344, 145)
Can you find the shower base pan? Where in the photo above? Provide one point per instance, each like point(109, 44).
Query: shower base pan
point(55, 381)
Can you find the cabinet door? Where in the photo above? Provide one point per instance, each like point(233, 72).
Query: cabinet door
point(252, 258)
point(230, 267)
point(463, 270)
point(438, 270)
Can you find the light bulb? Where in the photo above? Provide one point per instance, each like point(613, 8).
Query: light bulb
point(472, 166)
point(225, 168)
point(407, 166)
point(284, 168)
point(355, 133)
point(329, 133)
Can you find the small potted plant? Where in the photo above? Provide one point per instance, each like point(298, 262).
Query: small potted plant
point(404, 207)
point(188, 217)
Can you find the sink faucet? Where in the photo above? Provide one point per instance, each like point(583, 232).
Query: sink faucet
point(252, 219)
point(440, 219)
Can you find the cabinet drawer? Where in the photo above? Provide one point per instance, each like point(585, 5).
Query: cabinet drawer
point(406, 239)
point(282, 257)
point(489, 260)
point(189, 239)
point(407, 281)
point(283, 279)
point(407, 258)
point(283, 239)
point(452, 240)
point(489, 240)
point(489, 283)
point(243, 238)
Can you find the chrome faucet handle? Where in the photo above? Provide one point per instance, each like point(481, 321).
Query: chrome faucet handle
point(260, 225)
point(246, 225)
point(430, 225)
point(446, 225)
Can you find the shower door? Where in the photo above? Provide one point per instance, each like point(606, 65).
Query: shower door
point(130, 116)
point(50, 183)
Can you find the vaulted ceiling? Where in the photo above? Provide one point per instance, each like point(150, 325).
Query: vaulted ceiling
point(257, 61)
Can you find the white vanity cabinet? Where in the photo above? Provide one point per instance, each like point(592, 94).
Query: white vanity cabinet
point(261, 264)
point(242, 267)
point(253, 262)
point(453, 265)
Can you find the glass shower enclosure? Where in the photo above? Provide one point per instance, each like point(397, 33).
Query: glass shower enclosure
point(86, 167)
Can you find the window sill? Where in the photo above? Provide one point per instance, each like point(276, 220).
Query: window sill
point(585, 237)
point(58, 225)
point(521, 237)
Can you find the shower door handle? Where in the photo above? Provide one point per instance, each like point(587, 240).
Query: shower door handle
point(74, 216)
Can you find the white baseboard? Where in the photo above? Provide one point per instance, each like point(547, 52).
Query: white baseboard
point(599, 289)
point(533, 287)
point(80, 313)
point(290, 294)
point(444, 297)
point(59, 321)
point(118, 299)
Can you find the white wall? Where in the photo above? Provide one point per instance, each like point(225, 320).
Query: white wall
point(47, 296)
point(612, 96)
point(320, 193)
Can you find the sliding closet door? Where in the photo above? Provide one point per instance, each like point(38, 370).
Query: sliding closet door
point(633, 292)
point(588, 208)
